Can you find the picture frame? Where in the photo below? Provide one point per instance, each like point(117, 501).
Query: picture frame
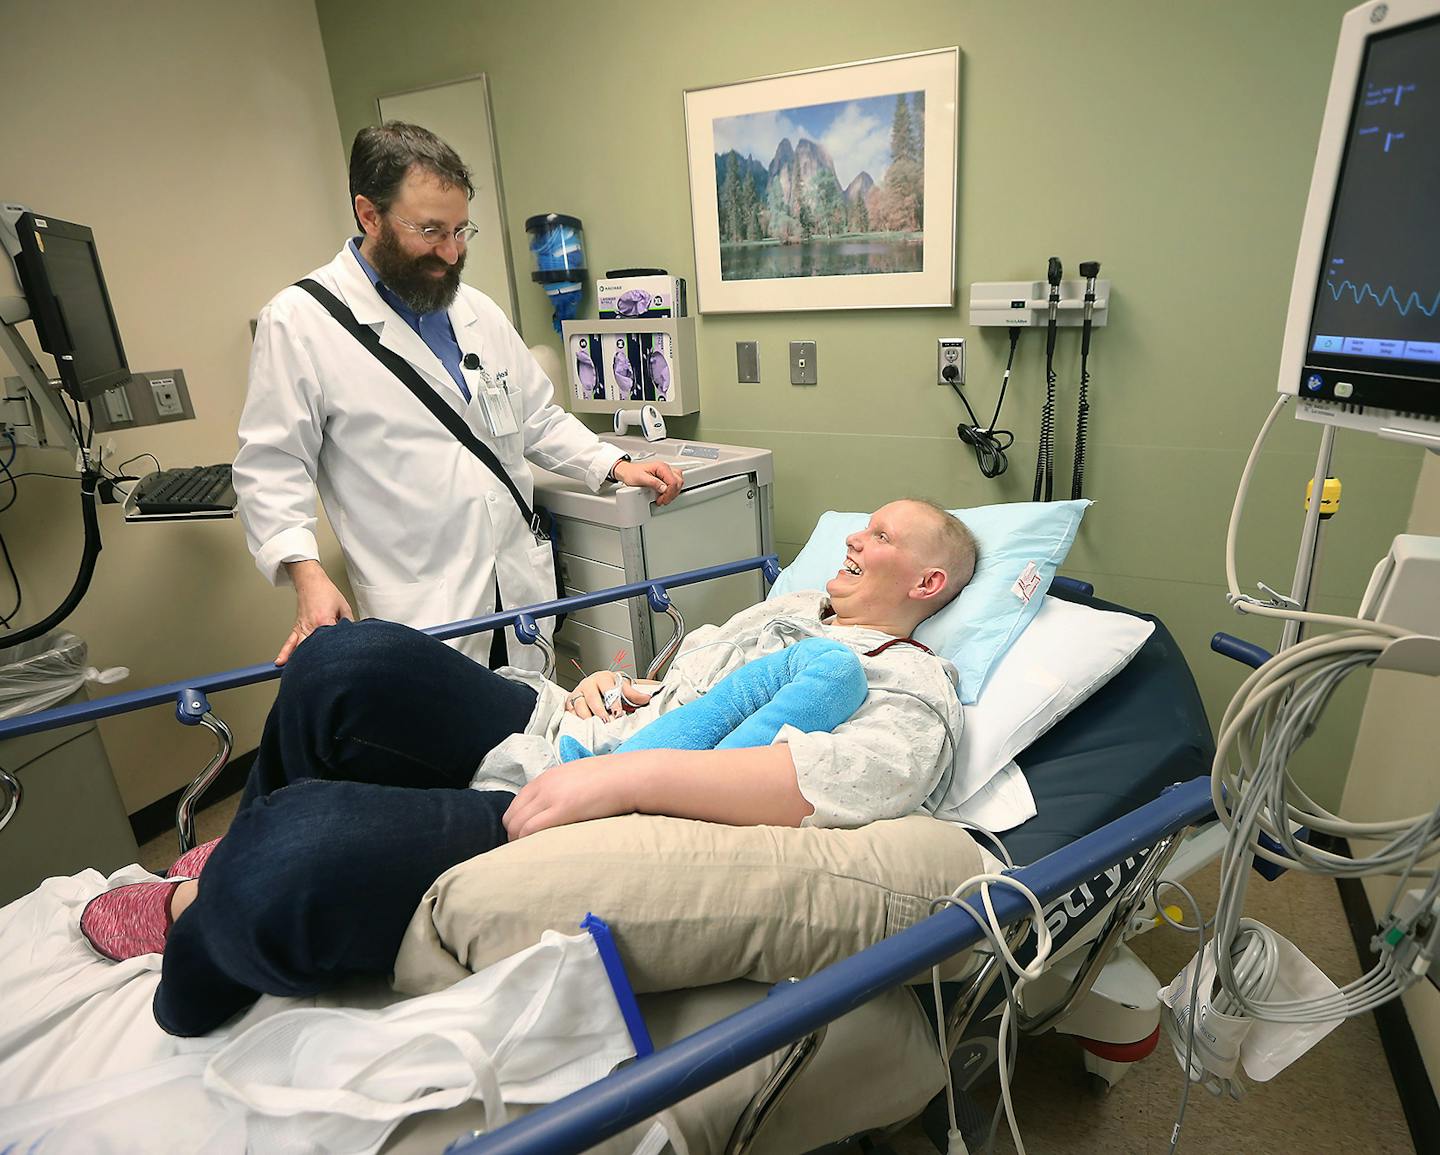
point(786, 214)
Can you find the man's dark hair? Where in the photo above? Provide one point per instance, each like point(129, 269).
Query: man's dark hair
point(382, 155)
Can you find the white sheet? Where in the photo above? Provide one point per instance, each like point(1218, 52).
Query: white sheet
point(71, 1017)
point(83, 1066)
point(77, 1030)
point(1003, 803)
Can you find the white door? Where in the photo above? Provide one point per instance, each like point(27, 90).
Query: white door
point(459, 113)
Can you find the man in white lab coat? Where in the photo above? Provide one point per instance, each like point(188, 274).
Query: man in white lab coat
point(430, 534)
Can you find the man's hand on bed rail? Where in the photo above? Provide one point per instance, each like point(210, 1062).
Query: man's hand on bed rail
point(755, 786)
point(587, 700)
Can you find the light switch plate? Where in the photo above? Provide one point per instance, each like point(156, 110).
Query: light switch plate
point(117, 406)
point(802, 363)
point(747, 362)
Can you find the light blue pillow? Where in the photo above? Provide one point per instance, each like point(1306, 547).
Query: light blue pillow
point(976, 629)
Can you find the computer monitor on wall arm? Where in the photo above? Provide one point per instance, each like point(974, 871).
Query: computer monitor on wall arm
point(60, 275)
point(1362, 336)
point(33, 414)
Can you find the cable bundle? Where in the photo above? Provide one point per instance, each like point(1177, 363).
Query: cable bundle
point(1272, 714)
point(1014, 977)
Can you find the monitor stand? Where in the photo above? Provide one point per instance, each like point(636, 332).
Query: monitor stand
point(48, 427)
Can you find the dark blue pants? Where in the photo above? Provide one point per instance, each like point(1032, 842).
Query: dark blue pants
point(357, 802)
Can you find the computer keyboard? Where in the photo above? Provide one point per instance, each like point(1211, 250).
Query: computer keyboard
point(197, 489)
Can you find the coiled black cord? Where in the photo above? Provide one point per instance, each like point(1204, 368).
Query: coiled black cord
point(989, 443)
point(1090, 270)
point(1082, 427)
point(1045, 455)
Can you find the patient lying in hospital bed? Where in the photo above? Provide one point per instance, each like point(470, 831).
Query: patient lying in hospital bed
point(690, 902)
point(359, 798)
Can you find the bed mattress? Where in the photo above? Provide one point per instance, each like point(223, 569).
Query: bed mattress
point(1139, 733)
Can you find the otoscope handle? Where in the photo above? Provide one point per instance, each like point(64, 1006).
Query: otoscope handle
point(1053, 272)
point(1089, 270)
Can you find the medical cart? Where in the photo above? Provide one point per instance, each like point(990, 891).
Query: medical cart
point(619, 536)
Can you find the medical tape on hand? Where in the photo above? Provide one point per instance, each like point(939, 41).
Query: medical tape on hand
point(611, 697)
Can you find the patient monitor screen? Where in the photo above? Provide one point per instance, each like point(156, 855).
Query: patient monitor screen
point(1375, 332)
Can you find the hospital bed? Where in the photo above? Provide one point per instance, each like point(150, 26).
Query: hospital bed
point(1110, 823)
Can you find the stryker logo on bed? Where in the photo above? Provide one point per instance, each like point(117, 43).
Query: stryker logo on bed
point(1069, 913)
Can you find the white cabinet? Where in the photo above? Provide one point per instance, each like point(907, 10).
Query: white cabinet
point(618, 536)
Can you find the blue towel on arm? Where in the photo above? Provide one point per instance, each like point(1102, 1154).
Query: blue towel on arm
point(814, 685)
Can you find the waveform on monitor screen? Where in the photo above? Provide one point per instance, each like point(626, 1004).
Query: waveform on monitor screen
point(1386, 296)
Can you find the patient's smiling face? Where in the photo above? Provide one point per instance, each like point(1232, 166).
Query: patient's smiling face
point(888, 577)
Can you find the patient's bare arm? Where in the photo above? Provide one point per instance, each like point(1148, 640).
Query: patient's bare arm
point(755, 786)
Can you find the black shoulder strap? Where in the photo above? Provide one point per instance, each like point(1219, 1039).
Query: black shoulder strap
point(411, 379)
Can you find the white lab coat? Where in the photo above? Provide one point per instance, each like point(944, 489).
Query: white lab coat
point(423, 524)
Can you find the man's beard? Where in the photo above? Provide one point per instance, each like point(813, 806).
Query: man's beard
point(410, 278)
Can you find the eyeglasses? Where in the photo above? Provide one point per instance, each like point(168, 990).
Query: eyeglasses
point(436, 234)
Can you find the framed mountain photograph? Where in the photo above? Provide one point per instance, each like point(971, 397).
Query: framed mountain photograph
point(832, 188)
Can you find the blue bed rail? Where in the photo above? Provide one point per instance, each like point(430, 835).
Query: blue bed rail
point(1246, 653)
point(793, 1010)
point(1072, 585)
point(188, 694)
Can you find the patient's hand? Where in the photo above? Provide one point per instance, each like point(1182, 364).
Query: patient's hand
point(599, 787)
point(587, 700)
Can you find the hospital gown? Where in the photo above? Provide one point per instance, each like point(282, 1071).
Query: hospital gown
point(894, 756)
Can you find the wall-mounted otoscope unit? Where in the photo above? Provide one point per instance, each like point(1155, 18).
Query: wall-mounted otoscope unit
point(1026, 304)
point(1054, 303)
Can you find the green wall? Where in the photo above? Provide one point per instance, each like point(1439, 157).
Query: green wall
point(1173, 142)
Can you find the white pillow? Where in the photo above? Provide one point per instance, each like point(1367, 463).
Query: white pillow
point(1067, 653)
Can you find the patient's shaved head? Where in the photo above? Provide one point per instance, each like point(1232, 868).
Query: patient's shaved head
point(949, 545)
point(909, 562)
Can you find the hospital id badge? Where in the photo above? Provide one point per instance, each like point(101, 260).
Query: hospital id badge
point(495, 405)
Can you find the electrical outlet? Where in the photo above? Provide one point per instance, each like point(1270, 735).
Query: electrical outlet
point(950, 361)
point(167, 397)
point(803, 370)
